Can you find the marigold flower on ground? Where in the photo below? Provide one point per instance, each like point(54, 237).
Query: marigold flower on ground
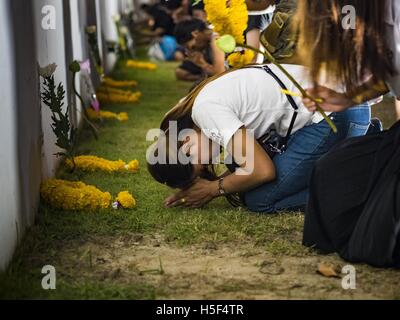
point(109, 82)
point(94, 115)
point(141, 65)
point(116, 98)
point(126, 200)
point(94, 163)
point(73, 195)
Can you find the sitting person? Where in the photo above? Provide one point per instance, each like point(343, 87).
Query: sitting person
point(160, 22)
point(164, 46)
point(242, 106)
point(198, 11)
point(203, 57)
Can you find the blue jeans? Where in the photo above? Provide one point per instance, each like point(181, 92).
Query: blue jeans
point(294, 167)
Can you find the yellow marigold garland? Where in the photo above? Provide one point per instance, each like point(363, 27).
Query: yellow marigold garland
point(76, 195)
point(109, 82)
point(108, 90)
point(71, 195)
point(141, 65)
point(124, 200)
point(122, 98)
point(94, 115)
point(232, 20)
point(240, 59)
point(94, 163)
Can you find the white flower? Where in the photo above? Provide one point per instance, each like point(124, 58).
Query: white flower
point(91, 29)
point(116, 18)
point(47, 71)
point(124, 30)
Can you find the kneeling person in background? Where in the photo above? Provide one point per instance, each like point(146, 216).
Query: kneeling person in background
point(203, 57)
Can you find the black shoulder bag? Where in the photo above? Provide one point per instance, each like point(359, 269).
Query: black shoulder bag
point(272, 142)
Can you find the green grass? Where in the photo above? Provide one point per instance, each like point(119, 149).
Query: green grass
point(55, 230)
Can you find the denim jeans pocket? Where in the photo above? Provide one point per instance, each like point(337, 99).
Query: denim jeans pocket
point(357, 129)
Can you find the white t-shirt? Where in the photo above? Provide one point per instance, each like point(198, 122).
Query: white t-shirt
point(253, 99)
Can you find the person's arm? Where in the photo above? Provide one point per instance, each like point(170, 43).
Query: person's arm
point(256, 168)
point(336, 102)
point(253, 40)
point(398, 108)
point(218, 57)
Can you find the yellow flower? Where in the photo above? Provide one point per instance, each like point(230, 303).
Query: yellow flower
point(93, 115)
point(48, 70)
point(126, 200)
point(240, 59)
point(93, 163)
point(109, 82)
point(123, 116)
point(231, 21)
point(71, 195)
point(141, 65)
point(112, 95)
point(109, 90)
point(133, 166)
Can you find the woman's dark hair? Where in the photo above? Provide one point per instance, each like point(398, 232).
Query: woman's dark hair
point(348, 55)
point(184, 29)
point(171, 4)
point(198, 6)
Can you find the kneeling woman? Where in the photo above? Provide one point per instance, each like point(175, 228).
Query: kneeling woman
point(236, 111)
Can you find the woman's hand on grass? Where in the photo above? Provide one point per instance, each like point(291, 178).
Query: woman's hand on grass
point(332, 101)
point(197, 196)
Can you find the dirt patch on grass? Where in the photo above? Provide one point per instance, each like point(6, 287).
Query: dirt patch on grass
point(217, 271)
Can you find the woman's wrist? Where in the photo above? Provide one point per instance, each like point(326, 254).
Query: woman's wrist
point(216, 189)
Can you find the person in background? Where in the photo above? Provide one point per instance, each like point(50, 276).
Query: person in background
point(160, 22)
point(179, 10)
point(258, 21)
point(164, 46)
point(258, 5)
point(203, 57)
point(354, 205)
point(198, 12)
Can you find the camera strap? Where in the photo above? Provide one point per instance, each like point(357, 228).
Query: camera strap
point(291, 101)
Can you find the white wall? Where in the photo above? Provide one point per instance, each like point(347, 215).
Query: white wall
point(9, 195)
point(51, 49)
point(27, 143)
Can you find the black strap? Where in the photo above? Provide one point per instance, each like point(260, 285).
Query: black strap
point(291, 101)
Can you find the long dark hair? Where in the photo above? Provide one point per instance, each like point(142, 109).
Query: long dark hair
point(347, 55)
